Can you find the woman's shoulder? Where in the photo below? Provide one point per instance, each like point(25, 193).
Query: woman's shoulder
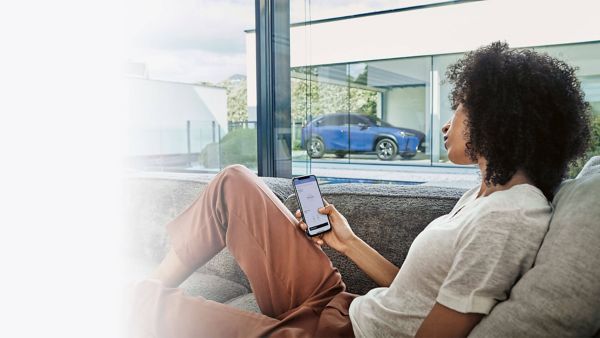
point(513, 208)
point(520, 196)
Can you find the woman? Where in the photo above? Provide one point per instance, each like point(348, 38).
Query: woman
point(520, 116)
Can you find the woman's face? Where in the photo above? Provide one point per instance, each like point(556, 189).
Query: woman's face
point(454, 137)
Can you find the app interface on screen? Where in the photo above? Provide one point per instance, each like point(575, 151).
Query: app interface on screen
point(311, 201)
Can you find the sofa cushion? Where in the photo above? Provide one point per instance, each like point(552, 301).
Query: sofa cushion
point(592, 166)
point(155, 199)
point(151, 203)
point(388, 217)
point(281, 187)
point(212, 287)
point(207, 285)
point(560, 295)
point(245, 302)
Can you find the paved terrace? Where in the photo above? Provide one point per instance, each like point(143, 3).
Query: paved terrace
point(331, 172)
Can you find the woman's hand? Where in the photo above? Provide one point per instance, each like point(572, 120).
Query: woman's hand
point(342, 239)
point(340, 235)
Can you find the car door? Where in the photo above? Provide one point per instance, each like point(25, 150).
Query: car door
point(362, 135)
point(334, 132)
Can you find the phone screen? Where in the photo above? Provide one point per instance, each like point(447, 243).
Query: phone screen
point(310, 200)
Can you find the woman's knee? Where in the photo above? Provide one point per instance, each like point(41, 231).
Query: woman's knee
point(237, 173)
point(235, 168)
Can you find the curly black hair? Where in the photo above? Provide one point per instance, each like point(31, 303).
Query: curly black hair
point(525, 110)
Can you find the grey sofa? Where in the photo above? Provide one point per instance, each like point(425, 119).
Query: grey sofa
point(559, 296)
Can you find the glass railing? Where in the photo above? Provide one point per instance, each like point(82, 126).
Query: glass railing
point(195, 146)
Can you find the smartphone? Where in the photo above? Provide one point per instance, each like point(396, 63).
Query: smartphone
point(309, 199)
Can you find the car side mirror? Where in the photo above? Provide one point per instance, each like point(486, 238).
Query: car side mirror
point(362, 126)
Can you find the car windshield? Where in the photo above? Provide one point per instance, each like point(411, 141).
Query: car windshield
point(378, 122)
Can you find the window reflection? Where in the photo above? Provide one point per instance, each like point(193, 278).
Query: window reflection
point(343, 111)
point(186, 69)
point(373, 112)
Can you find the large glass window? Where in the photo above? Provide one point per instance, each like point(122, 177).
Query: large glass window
point(441, 106)
point(390, 112)
point(362, 113)
point(586, 57)
point(403, 90)
point(187, 75)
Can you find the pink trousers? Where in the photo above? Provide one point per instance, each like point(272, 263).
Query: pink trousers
point(299, 292)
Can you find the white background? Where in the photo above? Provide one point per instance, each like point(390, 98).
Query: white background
point(60, 140)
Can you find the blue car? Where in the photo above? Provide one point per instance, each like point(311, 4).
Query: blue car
point(344, 133)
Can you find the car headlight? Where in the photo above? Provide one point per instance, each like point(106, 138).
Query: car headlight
point(404, 133)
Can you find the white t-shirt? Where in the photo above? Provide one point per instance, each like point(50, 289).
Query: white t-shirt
point(467, 260)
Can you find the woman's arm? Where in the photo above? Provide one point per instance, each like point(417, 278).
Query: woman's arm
point(377, 267)
point(342, 239)
point(445, 322)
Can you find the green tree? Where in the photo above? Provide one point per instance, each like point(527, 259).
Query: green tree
point(237, 101)
point(311, 98)
point(594, 149)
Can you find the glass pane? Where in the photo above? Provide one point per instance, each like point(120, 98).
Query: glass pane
point(238, 146)
point(302, 87)
point(586, 57)
point(441, 106)
point(320, 98)
point(393, 96)
point(583, 56)
point(324, 9)
point(205, 138)
point(404, 98)
point(186, 71)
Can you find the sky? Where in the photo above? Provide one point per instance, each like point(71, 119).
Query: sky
point(204, 40)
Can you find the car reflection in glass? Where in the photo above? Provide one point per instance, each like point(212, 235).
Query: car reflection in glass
point(343, 133)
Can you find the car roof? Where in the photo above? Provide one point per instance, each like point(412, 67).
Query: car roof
point(338, 114)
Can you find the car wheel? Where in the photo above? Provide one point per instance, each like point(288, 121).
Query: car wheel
point(407, 156)
point(386, 149)
point(340, 154)
point(316, 148)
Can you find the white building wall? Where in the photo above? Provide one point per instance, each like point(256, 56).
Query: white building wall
point(159, 111)
point(405, 107)
point(439, 30)
point(446, 29)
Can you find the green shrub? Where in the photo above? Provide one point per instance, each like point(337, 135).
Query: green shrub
point(296, 145)
point(594, 150)
point(237, 147)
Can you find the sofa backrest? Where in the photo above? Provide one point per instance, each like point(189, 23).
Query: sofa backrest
point(387, 217)
point(560, 295)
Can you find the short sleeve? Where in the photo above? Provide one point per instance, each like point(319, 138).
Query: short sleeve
point(491, 254)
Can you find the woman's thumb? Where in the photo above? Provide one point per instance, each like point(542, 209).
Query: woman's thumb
point(328, 209)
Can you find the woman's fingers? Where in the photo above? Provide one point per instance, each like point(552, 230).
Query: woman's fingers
point(303, 226)
point(300, 224)
point(327, 209)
